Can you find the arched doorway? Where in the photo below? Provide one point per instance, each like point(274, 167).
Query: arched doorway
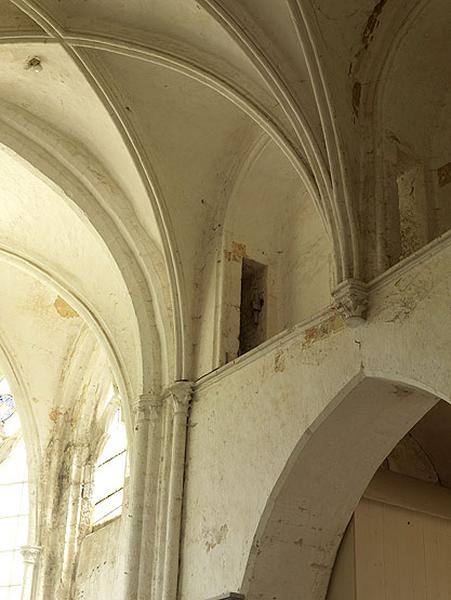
point(299, 534)
point(398, 541)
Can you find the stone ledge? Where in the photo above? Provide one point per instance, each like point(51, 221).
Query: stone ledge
point(228, 596)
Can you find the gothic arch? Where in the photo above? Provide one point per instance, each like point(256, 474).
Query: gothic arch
point(327, 473)
point(64, 169)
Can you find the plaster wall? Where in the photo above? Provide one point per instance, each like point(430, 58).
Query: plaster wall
point(273, 217)
point(33, 308)
point(100, 571)
point(270, 219)
point(306, 270)
point(248, 417)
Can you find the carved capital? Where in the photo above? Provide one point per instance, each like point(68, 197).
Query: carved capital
point(145, 405)
point(180, 394)
point(351, 301)
point(31, 554)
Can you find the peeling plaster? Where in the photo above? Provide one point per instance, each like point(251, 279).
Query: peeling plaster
point(372, 23)
point(215, 536)
point(64, 309)
point(319, 332)
point(237, 253)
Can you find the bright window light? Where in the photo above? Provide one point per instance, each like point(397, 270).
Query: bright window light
point(110, 473)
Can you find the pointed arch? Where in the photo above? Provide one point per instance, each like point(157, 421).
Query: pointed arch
point(307, 513)
point(102, 209)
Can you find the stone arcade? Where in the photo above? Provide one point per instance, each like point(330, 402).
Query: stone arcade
point(225, 333)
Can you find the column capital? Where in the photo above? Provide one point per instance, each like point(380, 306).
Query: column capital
point(180, 394)
point(31, 553)
point(351, 301)
point(146, 403)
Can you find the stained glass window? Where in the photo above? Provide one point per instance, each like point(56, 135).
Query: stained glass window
point(14, 497)
point(7, 407)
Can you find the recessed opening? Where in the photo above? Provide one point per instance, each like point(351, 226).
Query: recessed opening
point(402, 525)
point(252, 305)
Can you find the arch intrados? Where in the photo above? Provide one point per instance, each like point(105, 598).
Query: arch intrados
point(81, 305)
point(82, 197)
point(294, 548)
point(244, 171)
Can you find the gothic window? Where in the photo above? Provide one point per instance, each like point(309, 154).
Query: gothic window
point(109, 474)
point(14, 497)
